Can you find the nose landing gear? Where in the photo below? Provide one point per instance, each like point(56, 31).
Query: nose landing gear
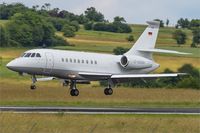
point(33, 86)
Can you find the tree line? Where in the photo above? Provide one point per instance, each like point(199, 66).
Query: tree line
point(36, 26)
point(117, 26)
point(180, 36)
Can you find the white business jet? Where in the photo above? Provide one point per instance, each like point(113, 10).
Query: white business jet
point(82, 67)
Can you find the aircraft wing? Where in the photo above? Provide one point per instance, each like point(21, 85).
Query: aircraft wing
point(124, 77)
point(146, 76)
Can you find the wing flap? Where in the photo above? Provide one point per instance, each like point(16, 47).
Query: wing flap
point(45, 79)
point(94, 76)
point(136, 76)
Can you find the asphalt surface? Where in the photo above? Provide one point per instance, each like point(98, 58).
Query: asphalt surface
point(85, 110)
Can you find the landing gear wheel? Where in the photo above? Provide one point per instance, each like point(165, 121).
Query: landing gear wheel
point(33, 87)
point(108, 91)
point(74, 92)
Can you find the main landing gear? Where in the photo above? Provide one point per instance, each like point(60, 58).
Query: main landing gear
point(108, 91)
point(74, 91)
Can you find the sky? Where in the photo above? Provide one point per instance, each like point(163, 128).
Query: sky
point(134, 11)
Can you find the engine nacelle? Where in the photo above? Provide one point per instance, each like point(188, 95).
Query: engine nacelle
point(135, 62)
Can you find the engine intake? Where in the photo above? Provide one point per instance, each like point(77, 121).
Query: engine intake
point(135, 62)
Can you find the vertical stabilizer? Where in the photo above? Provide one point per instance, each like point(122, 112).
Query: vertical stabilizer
point(146, 41)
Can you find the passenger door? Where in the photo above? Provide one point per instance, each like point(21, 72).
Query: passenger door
point(49, 63)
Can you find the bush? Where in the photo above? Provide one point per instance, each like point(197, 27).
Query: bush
point(188, 68)
point(58, 23)
point(180, 37)
point(120, 50)
point(193, 45)
point(189, 82)
point(29, 29)
point(196, 36)
point(3, 37)
point(88, 26)
point(59, 41)
point(112, 27)
point(75, 24)
point(130, 38)
point(100, 27)
point(69, 31)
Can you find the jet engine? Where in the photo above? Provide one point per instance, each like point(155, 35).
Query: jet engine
point(135, 62)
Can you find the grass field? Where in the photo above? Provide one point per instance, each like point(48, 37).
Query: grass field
point(62, 123)
point(17, 92)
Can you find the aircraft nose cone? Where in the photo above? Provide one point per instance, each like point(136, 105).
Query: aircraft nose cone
point(10, 65)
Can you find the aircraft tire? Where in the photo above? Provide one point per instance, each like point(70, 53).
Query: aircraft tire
point(108, 91)
point(33, 87)
point(74, 92)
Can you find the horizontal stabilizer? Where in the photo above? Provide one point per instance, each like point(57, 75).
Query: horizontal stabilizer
point(162, 51)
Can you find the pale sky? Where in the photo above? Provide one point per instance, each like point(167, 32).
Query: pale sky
point(134, 11)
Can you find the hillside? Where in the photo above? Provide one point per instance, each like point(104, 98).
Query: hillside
point(106, 41)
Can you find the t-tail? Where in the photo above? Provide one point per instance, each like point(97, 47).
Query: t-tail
point(145, 45)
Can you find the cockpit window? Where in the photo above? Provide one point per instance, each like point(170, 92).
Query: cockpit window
point(27, 55)
point(23, 54)
point(38, 55)
point(33, 55)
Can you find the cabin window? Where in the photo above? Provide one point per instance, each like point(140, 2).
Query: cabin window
point(87, 61)
point(74, 60)
point(38, 55)
point(95, 62)
point(27, 55)
point(70, 60)
point(78, 61)
point(91, 62)
point(66, 60)
point(62, 59)
point(33, 55)
point(82, 61)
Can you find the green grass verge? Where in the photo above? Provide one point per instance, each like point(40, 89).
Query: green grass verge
point(101, 104)
point(62, 123)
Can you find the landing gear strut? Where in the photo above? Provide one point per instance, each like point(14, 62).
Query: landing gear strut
point(74, 91)
point(33, 86)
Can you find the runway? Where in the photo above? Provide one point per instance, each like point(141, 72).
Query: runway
point(88, 110)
